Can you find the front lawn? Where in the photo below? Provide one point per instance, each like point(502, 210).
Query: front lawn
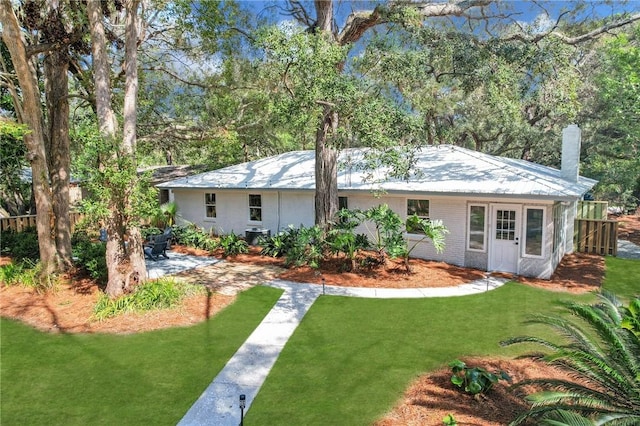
point(622, 276)
point(351, 359)
point(347, 363)
point(99, 379)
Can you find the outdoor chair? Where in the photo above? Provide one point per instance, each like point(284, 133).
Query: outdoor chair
point(157, 247)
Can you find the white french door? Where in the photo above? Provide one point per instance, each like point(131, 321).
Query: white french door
point(504, 237)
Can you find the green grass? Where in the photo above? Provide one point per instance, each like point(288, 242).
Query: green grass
point(622, 276)
point(99, 379)
point(351, 359)
point(348, 362)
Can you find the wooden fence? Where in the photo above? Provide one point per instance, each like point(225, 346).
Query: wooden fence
point(596, 236)
point(592, 210)
point(20, 223)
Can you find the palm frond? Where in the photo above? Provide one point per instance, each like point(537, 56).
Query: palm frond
point(600, 354)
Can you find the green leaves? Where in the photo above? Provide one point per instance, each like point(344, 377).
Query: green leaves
point(474, 380)
point(602, 357)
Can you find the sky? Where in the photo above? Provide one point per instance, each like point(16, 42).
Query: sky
point(524, 11)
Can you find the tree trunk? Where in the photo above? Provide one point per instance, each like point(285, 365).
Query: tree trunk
point(326, 198)
point(135, 249)
point(34, 141)
point(56, 65)
point(125, 260)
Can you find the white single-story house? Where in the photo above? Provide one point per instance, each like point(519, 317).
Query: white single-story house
point(502, 214)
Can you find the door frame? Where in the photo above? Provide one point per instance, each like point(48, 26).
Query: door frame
point(493, 207)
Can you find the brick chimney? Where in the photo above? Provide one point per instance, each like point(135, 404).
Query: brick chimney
point(570, 162)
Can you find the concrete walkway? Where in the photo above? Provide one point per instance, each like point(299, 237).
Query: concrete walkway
point(177, 262)
point(248, 368)
point(628, 250)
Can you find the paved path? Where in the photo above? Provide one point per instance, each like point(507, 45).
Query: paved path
point(248, 368)
point(628, 250)
point(177, 262)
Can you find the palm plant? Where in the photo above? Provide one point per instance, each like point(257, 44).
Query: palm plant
point(600, 354)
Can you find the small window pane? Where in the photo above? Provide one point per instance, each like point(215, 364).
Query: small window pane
point(418, 207)
point(505, 225)
point(210, 198)
point(255, 214)
point(255, 200)
point(533, 244)
point(211, 211)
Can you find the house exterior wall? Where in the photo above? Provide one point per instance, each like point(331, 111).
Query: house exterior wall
point(281, 209)
point(232, 210)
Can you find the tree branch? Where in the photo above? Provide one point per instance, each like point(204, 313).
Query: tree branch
point(359, 22)
point(577, 39)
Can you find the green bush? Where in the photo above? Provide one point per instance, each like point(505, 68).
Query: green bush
point(474, 380)
point(21, 245)
point(158, 294)
point(278, 245)
point(27, 273)
point(90, 256)
point(299, 246)
point(19, 273)
point(232, 244)
point(192, 236)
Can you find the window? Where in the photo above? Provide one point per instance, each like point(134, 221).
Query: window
point(419, 208)
point(210, 205)
point(343, 203)
point(477, 227)
point(534, 232)
point(505, 225)
point(255, 207)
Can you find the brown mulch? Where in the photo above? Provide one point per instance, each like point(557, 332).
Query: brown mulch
point(70, 307)
point(432, 396)
point(629, 227)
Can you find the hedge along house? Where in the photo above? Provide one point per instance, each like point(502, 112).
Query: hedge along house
point(503, 214)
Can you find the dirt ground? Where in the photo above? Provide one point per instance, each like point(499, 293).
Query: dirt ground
point(426, 402)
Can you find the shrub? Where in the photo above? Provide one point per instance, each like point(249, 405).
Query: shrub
point(157, 294)
point(232, 244)
point(27, 273)
point(299, 246)
point(90, 256)
point(474, 380)
point(21, 245)
point(192, 236)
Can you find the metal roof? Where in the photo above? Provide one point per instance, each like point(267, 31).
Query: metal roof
point(444, 169)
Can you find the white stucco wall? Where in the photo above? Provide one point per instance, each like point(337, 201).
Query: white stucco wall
point(283, 208)
point(232, 210)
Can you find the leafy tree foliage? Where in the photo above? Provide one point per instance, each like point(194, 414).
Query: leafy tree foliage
point(613, 156)
point(14, 190)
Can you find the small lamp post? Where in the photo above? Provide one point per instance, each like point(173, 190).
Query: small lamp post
point(243, 401)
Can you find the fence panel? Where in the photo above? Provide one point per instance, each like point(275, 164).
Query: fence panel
point(20, 223)
point(592, 210)
point(596, 236)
